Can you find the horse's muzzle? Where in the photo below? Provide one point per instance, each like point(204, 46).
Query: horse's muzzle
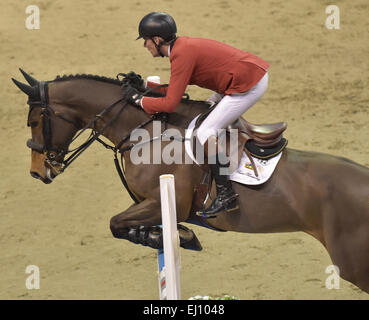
point(40, 169)
point(35, 175)
point(47, 180)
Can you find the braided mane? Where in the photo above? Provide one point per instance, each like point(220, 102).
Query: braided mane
point(88, 76)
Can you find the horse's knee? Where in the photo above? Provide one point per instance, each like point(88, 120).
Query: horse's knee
point(114, 227)
point(117, 229)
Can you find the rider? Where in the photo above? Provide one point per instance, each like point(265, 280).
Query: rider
point(238, 78)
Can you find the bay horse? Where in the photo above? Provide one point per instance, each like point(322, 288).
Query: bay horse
point(323, 195)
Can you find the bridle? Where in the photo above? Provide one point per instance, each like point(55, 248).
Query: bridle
point(52, 153)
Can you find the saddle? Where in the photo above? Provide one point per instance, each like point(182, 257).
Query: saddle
point(262, 141)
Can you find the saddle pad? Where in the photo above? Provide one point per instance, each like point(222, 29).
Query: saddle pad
point(246, 175)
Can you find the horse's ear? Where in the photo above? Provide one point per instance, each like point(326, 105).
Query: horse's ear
point(32, 81)
point(28, 90)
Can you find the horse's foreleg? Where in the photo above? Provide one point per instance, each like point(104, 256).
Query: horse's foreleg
point(147, 213)
point(138, 224)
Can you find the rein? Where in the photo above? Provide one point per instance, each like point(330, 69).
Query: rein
point(94, 135)
point(52, 153)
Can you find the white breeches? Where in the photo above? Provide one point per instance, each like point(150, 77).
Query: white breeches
point(229, 109)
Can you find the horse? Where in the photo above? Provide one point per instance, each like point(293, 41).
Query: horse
point(322, 195)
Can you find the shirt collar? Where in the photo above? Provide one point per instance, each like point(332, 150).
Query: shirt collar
point(171, 46)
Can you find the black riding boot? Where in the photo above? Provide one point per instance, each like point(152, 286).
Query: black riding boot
point(226, 199)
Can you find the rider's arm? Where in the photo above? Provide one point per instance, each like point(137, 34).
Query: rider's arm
point(162, 90)
point(182, 66)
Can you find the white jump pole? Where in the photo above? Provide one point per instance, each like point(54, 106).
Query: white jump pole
point(169, 258)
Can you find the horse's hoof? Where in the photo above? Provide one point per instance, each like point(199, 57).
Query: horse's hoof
point(188, 239)
point(155, 238)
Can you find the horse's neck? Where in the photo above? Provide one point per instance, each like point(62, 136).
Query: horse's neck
point(87, 98)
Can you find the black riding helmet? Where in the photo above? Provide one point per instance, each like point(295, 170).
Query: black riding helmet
point(157, 24)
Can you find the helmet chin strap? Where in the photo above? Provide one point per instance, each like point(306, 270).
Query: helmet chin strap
point(157, 46)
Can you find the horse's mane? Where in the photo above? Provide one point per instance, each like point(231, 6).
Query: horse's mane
point(89, 77)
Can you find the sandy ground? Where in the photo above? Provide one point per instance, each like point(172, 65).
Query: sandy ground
point(319, 82)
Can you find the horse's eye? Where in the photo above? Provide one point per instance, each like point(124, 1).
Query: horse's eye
point(34, 124)
point(51, 155)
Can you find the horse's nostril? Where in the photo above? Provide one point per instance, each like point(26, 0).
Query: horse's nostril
point(35, 175)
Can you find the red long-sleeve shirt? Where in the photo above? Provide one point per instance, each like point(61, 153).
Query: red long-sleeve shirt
point(209, 64)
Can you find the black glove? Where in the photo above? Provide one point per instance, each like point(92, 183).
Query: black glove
point(162, 116)
point(132, 95)
point(133, 79)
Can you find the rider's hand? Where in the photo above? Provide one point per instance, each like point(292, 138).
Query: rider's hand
point(132, 95)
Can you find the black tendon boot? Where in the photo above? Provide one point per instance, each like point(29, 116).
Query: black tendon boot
point(226, 199)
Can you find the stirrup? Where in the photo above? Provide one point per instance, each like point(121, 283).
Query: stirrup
point(231, 206)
